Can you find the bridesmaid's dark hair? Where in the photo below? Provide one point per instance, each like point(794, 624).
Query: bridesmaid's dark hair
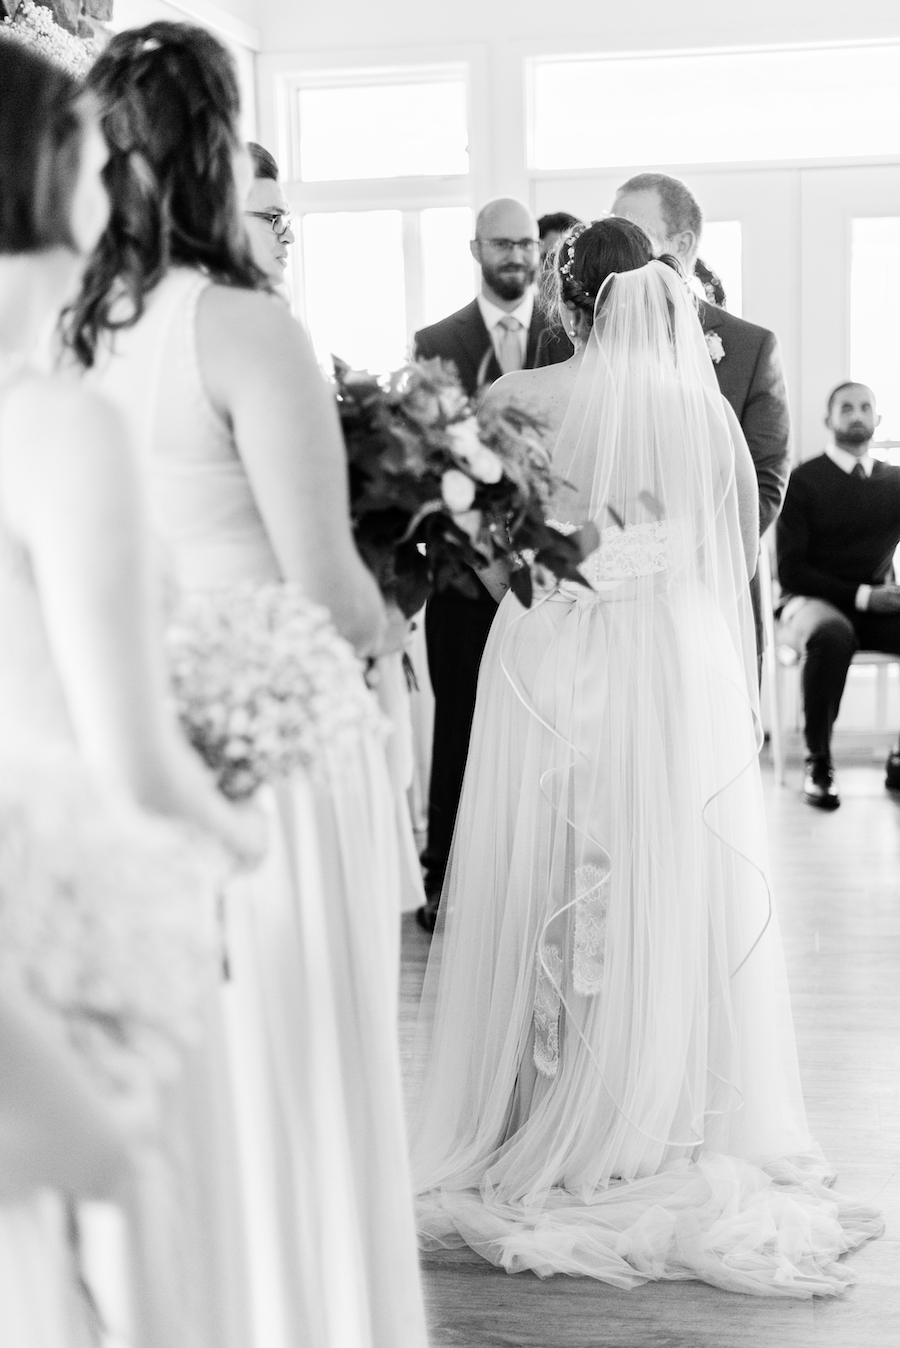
point(40, 150)
point(169, 106)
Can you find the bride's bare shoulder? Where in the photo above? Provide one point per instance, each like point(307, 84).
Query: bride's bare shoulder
point(542, 392)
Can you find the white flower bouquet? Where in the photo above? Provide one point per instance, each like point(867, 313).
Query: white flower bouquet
point(35, 27)
point(437, 490)
point(264, 685)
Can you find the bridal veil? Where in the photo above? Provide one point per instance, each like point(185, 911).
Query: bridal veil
point(611, 1083)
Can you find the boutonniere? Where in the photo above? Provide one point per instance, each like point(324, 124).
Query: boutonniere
point(714, 343)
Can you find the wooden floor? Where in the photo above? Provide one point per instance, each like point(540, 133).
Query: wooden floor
point(837, 882)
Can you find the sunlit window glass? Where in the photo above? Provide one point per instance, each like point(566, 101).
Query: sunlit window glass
point(875, 317)
point(448, 271)
point(354, 287)
point(720, 248)
point(383, 131)
point(617, 111)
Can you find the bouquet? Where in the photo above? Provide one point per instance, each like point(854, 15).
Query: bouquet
point(437, 491)
point(35, 26)
point(264, 684)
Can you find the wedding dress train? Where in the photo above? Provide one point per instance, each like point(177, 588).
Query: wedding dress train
point(611, 1085)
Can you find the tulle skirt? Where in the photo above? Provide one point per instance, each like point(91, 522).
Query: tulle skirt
point(313, 947)
point(611, 1084)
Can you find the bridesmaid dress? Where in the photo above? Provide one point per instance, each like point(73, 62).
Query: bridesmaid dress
point(105, 910)
point(312, 935)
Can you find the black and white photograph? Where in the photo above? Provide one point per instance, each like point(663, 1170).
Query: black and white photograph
point(450, 675)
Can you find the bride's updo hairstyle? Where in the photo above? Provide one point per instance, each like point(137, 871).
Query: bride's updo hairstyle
point(586, 257)
point(169, 105)
point(40, 150)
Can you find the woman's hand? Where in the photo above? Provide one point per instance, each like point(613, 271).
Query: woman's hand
point(246, 834)
point(495, 578)
point(396, 632)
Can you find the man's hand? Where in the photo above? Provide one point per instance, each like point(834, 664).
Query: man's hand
point(884, 599)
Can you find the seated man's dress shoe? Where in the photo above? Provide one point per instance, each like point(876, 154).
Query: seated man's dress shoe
point(892, 770)
point(818, 785)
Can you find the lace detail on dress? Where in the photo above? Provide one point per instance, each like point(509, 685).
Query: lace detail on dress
point(591, 907)
point(636, 550)
point(546, 1010)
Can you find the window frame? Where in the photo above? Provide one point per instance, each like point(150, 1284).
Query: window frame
point(280, 80)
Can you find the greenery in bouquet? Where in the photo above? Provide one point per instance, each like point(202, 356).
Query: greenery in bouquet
point(437, 491)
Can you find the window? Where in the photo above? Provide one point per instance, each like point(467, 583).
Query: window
point(875, 319)
point(720, 248)
point(448, 268)
point(616, 111)
point(382, 185)
point(383, 130)
point(372, 278)
point(354, 287)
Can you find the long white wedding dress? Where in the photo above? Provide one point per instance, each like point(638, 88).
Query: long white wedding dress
point(312, 937)
point(611, 1085)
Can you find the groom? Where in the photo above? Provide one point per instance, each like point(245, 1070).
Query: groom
point(500, 330)
point(746, 358)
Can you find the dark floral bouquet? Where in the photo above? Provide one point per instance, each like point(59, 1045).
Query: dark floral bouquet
point(437, 491)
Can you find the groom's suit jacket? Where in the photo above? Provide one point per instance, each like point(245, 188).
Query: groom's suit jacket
point(456, 628)
point(464, 339)
point(751, 377)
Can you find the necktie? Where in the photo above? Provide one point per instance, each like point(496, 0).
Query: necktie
point(509, 350)
point(858, 471)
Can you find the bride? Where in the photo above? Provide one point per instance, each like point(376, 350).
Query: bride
point(612, 1085)
point(242, 455)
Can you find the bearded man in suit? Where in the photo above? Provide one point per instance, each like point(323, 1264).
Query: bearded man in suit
point(501, 330)
point(746, 358)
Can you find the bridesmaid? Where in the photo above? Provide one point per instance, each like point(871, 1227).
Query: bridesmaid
point(96, 784)
point(243, 456)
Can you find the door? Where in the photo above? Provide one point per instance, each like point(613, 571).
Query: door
point(849, 293)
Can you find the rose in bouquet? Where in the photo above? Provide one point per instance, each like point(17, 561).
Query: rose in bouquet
point(264, 684)
point(437, 490)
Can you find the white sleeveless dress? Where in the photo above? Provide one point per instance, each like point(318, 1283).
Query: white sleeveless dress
point(611, 1086)
point(313, 935)
point(107, 923)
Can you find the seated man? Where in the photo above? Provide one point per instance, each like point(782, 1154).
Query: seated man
point(836, 539)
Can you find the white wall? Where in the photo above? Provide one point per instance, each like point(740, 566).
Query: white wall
point(576, 25)
point(232, 21)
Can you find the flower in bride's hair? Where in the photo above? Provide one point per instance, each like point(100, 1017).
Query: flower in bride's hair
point(458, 490)
point(487, 466)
